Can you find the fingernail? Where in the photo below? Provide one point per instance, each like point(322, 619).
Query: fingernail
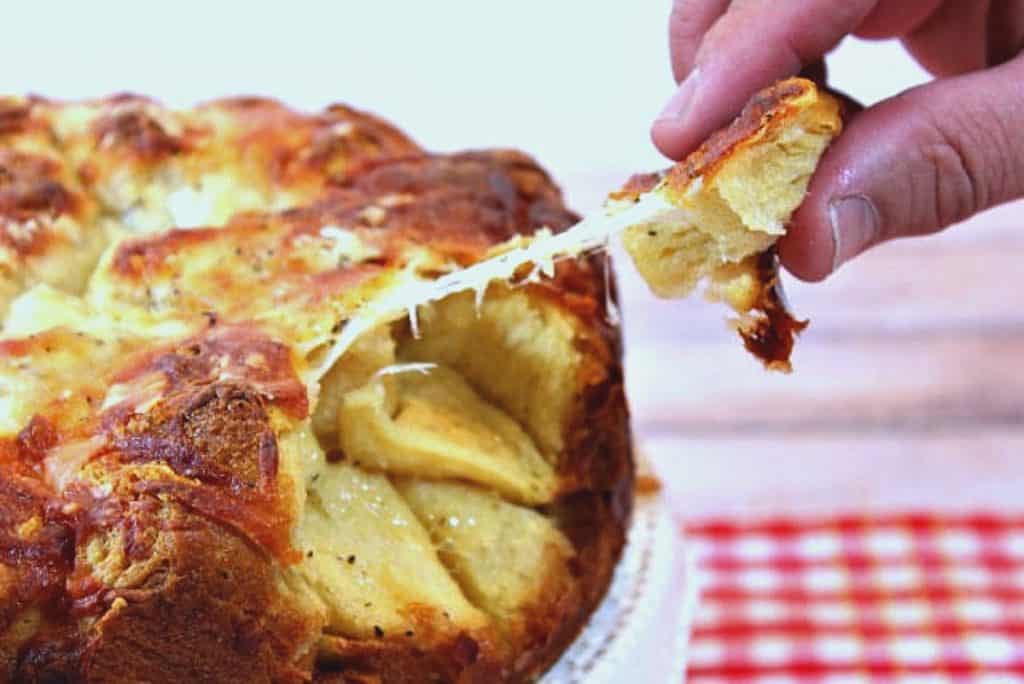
point(855, 227)
point(679, 105)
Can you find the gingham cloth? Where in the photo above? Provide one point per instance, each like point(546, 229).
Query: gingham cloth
point(911, 598)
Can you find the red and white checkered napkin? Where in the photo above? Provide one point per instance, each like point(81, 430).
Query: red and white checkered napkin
point(881, 599)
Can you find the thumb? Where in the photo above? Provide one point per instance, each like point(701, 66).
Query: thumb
point(912, 165)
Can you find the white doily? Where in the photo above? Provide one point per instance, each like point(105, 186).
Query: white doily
point(640, 630)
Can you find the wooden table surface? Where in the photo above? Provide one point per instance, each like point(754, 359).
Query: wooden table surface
point(907, 391)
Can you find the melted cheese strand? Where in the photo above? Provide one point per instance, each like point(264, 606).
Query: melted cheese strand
point(592, 233)
point(414, 320)
point(611, 309)
point(478, 298)
point(423, 368)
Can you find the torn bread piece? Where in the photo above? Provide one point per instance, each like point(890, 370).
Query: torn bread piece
point(731, 200)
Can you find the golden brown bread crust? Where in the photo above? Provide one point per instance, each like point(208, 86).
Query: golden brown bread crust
point(72, 175)
point(206, 611)
point(765, 113)
point(277, 145)
point(145, 537)
point(459, 205)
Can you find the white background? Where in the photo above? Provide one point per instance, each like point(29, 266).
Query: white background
point(575, 83)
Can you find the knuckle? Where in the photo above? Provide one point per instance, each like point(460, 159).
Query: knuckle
point(952, 182)
point(974, 159)
point(960, 164)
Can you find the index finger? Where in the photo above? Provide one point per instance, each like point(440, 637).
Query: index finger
point(754, 44)
point(687, 24)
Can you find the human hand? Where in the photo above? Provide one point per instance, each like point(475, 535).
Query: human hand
point(910, 165)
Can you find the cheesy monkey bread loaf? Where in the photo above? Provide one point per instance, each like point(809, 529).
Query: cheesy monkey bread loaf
point(197, 484)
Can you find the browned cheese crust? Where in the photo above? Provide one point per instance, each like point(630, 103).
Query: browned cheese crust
point(175, 504)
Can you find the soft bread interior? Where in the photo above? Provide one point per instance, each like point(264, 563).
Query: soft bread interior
point(733, 204)
point(362, 546)
point(438, 442)
point(481, 391)
point(370, 353)
point(432, 423)
point(499, 552)
point(519, 352)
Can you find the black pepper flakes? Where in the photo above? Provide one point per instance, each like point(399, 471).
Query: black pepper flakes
point(378, 631)
point(351, 560)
